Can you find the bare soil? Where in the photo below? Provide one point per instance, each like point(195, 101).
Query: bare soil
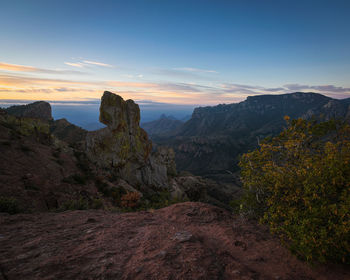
point(183, 241)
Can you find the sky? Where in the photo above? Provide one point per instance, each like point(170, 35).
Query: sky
point(189, 53)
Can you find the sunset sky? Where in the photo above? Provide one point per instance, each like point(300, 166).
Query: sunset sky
point(181, 52)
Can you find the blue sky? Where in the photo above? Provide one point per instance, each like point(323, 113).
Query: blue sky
point(180, 52)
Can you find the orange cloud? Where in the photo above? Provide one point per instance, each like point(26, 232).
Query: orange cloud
point(24, 68)
point(131, 84)
point(15, 67)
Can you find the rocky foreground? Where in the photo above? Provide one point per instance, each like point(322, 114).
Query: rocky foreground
point(183, 241)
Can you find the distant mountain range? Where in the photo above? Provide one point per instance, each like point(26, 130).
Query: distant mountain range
point(165, 125)
point(212, 140)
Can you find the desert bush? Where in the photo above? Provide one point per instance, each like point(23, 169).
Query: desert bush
point(158, 199)
point(9, 205)
point(97, 203)
point(130, 200)
point(299, 184)
point(77, 204)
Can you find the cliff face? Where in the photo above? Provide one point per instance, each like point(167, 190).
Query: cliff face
point(212, 140)
point(124, 148)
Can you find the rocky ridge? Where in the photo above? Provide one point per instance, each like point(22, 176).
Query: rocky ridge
point(53, 164)
point(37, 110)
point(212, 140)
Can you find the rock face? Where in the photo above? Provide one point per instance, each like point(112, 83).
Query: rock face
point(183, 241)
point(124, 148)
point(37, 110)
point(212, 140)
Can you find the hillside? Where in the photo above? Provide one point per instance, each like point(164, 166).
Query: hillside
point(163, 126)
point(211, 141)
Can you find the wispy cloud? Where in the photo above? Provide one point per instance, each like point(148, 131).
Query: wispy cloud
point(86, 63)
point(190, 69)
point(177, 87)
point(25, 68)
point(321, 88)
point(97, 63)
point(15, 80)
point(25, 86)
point(182, 74)
point(78, 64)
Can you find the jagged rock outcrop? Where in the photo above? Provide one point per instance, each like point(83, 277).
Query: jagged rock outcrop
point(37, 110)
point(123, 148)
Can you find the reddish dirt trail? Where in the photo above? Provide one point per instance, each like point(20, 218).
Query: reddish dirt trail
point(183, 241)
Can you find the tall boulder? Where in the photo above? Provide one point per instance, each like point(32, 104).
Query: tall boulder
point(123, 148)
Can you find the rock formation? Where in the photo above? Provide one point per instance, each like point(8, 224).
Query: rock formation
point(123, 148)
point(37, 110)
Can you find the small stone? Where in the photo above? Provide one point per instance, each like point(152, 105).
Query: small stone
point(183, 236)
point(162, 254)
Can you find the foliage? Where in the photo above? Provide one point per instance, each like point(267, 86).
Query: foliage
point(157, 200)
point(78, 204)
point(130, 200)
point(299, 184)
point(9, 205)
point(97, 203)
point(75, 179)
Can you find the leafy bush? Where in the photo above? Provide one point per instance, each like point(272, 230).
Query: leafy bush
point(157, 200)
point(130, 200)
point(9, 205)
point(299, 184)
point(97, 203)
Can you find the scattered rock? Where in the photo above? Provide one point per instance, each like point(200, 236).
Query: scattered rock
point(183, 236)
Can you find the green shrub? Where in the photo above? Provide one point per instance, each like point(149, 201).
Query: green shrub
point(9, 205)
point(78, 204)
point(299, 184)
point(97, 203)
point(157, 200)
